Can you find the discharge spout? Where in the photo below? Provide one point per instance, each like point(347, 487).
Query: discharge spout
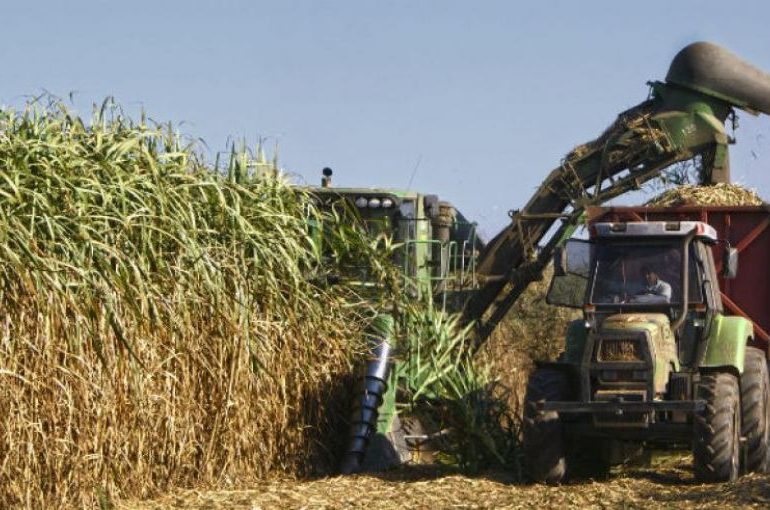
point(710, 69)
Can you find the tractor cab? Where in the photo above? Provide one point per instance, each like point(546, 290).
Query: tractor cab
point(632, 268)
point(649, 294)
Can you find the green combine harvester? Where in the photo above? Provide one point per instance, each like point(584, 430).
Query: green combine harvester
point(683, 118)
point(437, 253)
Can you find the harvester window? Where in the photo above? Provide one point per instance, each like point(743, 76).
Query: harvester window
point(406, 221)
point(378, 226)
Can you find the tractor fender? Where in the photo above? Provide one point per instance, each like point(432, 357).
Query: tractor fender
point(726, 343)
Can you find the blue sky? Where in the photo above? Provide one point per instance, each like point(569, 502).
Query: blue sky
point(483, 98)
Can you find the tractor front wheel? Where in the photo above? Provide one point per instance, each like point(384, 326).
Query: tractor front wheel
point(717, 429)
point(544, 450)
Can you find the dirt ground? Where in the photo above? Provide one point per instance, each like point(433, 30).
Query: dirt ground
point(668, 483)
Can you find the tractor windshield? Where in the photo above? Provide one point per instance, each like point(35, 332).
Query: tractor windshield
point(642, 274)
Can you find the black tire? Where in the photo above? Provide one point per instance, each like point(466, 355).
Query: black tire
point(588, 458)
point(386, 451)
point(717, 429)
point(755, 410)
point(543, 434)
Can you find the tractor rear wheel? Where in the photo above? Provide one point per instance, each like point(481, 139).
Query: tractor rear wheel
point(755, 410)
point(544, 450)
point(717, 429)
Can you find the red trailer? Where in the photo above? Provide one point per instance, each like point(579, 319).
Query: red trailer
point(746, 228)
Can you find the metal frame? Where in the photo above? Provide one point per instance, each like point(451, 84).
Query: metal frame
point(688, 406)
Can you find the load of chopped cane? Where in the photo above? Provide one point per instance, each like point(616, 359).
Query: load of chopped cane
point(717, 194)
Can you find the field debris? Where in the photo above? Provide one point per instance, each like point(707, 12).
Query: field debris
point(667, 484)
point(717, 194)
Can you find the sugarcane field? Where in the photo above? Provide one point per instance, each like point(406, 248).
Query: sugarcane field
point(330, 255)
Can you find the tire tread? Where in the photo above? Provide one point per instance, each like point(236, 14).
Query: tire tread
point(543, 437)
point(714, 442)
point(755, 387)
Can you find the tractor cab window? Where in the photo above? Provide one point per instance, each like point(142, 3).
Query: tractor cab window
point(642, 274)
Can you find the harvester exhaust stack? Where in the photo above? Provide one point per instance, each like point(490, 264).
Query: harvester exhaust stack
point(326, 180)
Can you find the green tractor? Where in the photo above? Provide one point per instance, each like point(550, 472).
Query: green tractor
point(655, 361)
point(646, 368)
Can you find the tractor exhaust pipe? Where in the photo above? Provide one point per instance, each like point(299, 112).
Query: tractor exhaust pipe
point(685, 282)
point(363, 423)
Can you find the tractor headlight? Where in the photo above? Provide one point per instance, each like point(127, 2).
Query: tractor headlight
point(387, 203)
point(374, 203)
point(361, 202)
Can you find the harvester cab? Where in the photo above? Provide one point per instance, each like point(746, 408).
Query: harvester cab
point(654, 361)
point(435, 245)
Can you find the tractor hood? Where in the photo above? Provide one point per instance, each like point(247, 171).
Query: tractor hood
point(656, 329)
point(653, 323)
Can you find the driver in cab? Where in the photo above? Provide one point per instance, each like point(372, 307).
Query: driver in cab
point(654, 289)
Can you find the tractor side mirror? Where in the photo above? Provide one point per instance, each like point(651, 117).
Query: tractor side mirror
point(571, 267)
point(573, 257)
point(559, 261)
point(730, 263)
